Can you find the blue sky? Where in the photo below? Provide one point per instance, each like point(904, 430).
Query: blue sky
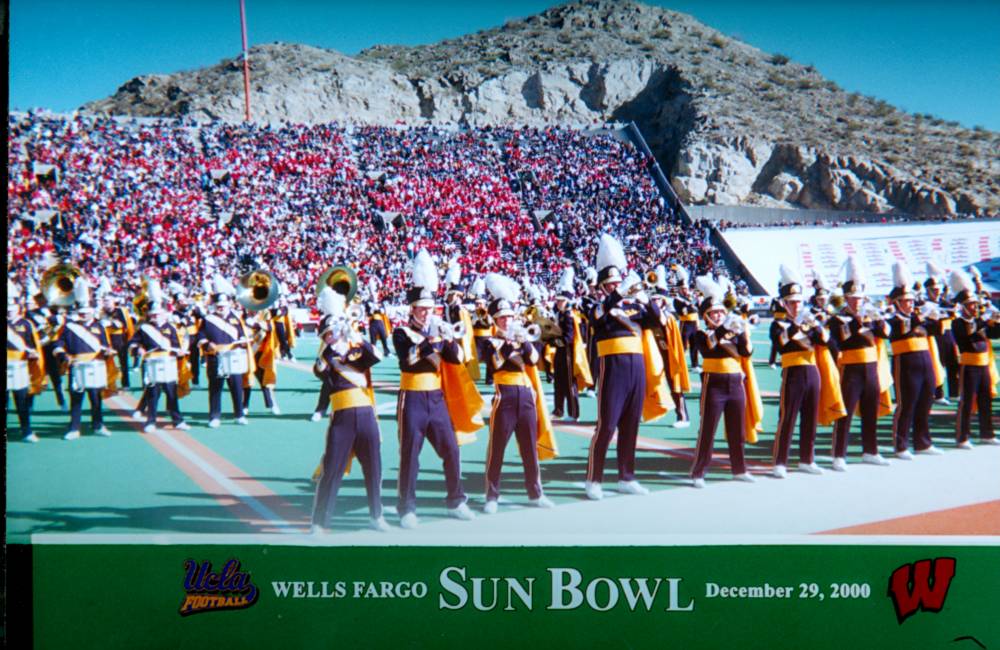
point(925, 57)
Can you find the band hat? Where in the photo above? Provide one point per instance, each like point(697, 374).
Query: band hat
point(565, 289)
point(505, 293)
point(854, 283)
point(902, 282)
point(713, 294)
point(963, 287)
point(790, 284)
point(611, 262)
point(424, 281)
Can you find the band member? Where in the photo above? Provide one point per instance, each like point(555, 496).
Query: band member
point(345, 361)
point(482, 326)
point(284, 328)
point(25, 362)
point(49, 323)
point(426, 348)
point(378, 326)
point(456, 314)
point(326, 388)
point(617, 325)
point(934, 290)
point(777, 313)
point(159, 342)
point(221, 332)
point(565, 346)
point(913, 368)
point(121, 328)
point(265, 348)
point(854, 329)
point(82, 342)
point(686, 310)
point(723, 344)
point(670, 342)
point(977, 375)
point(590, 300)
point(797, 338)
point(518, 403)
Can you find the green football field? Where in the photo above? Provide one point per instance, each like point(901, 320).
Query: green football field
point(256, 478)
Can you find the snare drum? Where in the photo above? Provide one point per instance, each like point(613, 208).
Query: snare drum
point(17, 375)
point(85, 375)
point(159, 370)
point(233, 362)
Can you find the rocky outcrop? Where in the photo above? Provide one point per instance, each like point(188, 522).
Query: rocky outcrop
point(733, 124)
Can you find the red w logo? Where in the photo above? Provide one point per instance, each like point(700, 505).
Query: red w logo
point(911, 587)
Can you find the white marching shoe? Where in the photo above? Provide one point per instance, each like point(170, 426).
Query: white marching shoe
point(149, 428)
point(182, 426)
point(242, 420)
point(137, 416)
point(943, 401)
point(31, 437)
point(746, 477)
point(316, 417)
point(214, 423)
point(461, 511)
point(275, 410)
point(965, 445)
point(632, 487)
point(698, 483)
point(904, 454)
point(316, 529)
point(682, 424)
point(409, 521)
point(779, 471)
point(930, 451)
point(874, 459)
point(491, 507)
point(840, 464)
point(542, 502)
point(989, 441)
point(594, 491)
point(103, 432)
point(810, 468)
point(71, 435)
point(379, 524)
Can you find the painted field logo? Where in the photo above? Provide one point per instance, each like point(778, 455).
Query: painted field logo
point(921, 585)
point(205, 591)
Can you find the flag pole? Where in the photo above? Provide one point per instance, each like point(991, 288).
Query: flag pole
point(246, 62)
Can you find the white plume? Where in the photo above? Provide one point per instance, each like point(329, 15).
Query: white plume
point(934, 271)
point(222, 285)
point(176, 288)
point(566, 280)
point(726, 284)
point(591, 275)
point(901, 276)
point(631, 280)
point(206, 287)
point(960, 281)
point(330, 302)
point(81, 292)
point(103, 288)
point(424, 272)
point(155, 294)
point(789, 275)
point(683, 276)
point(853, 271)
point(454, 274)
point(610, 253)
point(661, 277)
point(502, 288)
point(478, 288)
point(709, 287)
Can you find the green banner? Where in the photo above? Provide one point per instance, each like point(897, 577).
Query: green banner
point(838, 596)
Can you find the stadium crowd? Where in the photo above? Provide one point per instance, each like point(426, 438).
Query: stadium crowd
point(122, 196)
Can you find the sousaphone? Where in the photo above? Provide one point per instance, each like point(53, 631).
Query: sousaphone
point(341, 279)
point(57, 284)
point(257, 290)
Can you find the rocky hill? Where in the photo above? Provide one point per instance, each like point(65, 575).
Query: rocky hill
point(735, 125)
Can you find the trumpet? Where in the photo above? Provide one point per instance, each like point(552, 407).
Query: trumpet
point(438, 328)
point(520, 333)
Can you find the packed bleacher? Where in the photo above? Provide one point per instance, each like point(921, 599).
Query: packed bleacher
point(122, 196)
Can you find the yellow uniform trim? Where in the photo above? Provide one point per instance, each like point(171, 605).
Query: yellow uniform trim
point(349, 399)
point(620, 345)
point(723, 366)
point(946, 324)
point(913, 344)
point(801, 358)
point(974, 359)
point(16, 355)
point(422, 381)
point(511, 378)
point(482, 332)
point(860, 355)
point(689, 318)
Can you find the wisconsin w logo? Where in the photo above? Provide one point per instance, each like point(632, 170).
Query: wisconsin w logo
point(912, 586)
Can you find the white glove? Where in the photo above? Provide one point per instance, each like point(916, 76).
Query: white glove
point(642, 298)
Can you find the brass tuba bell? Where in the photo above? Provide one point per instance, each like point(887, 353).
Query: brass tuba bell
point(341, 279)
point(257, 290)
point(57, 284)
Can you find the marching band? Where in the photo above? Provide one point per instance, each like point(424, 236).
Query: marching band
point(632, 340)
